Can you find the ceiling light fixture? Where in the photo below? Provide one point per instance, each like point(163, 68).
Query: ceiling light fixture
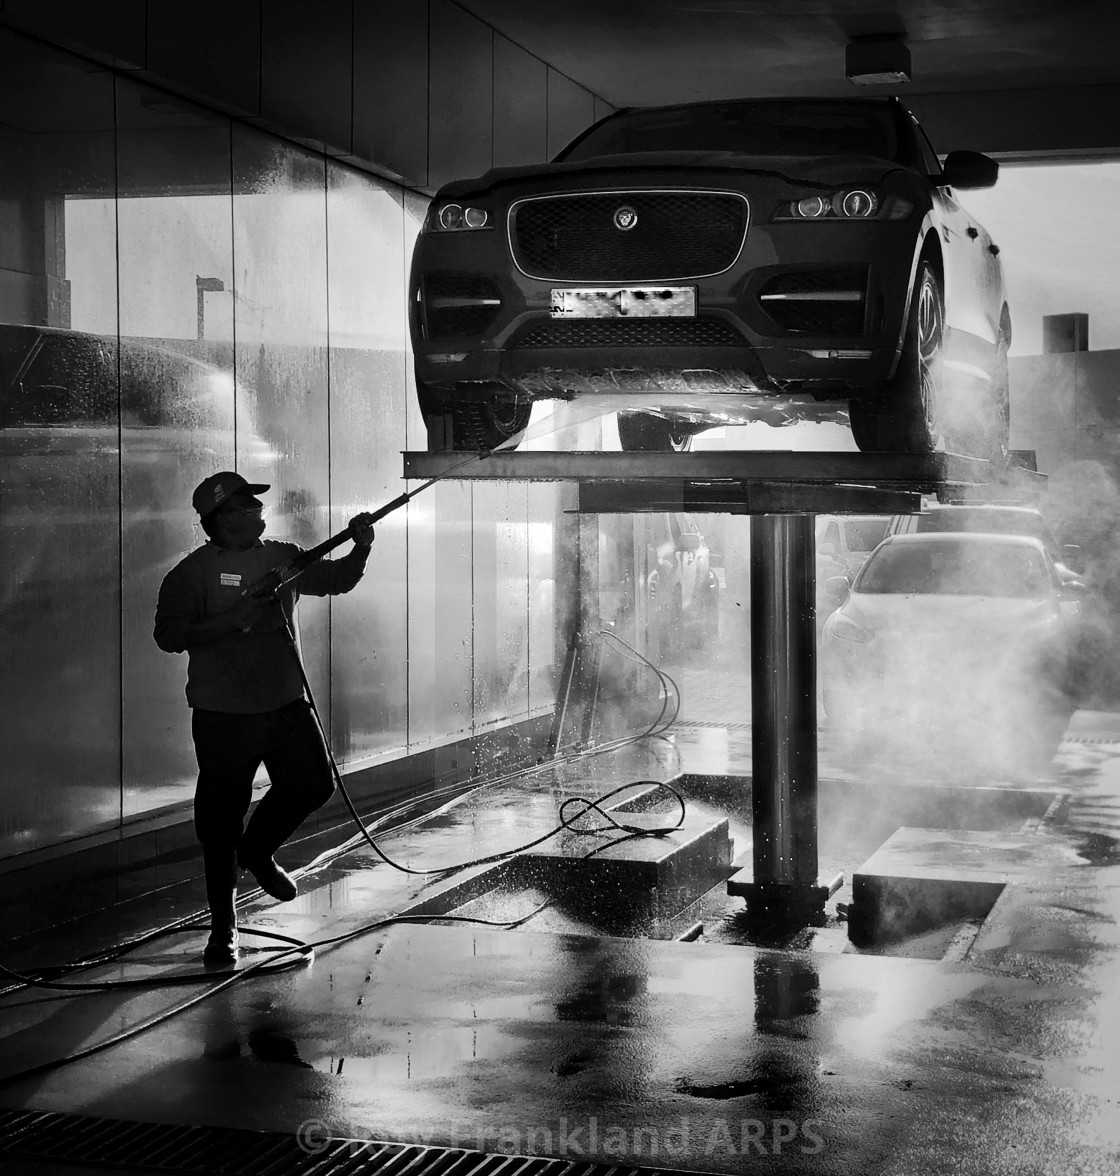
point(877, 61)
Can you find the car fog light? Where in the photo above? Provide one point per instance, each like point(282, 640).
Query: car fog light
point(448, 357)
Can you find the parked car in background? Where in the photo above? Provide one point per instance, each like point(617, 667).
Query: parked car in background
point(995, 519)
point(953, 626)
point(715, 263)
point(657, 583)
point(843, 543)
point(682, 583)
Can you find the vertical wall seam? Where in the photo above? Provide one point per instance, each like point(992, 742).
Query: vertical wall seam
point(408, 507)
point(530, 53)
point(353, 73)
point(428, 104)
point(493, 92)
point(474, 609)
point(233, 292)
point(120, 454)
point(260, 59)
point(330, 440)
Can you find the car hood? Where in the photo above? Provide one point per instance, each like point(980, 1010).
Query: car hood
point(648, 166)
point(981, 618)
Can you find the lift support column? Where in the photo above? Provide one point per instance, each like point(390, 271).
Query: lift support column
point(784, 720)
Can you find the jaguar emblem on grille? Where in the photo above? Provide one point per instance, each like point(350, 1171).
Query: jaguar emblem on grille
point(625, 218)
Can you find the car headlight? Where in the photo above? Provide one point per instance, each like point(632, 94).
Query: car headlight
point(845, 629)
point(453, 217)
point(848, 204)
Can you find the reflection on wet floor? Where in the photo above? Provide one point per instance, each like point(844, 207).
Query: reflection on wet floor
point(516, 1039)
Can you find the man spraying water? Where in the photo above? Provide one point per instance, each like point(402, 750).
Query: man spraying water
point(230, 606)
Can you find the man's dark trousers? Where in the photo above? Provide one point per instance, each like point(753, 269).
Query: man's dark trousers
point(230, 748)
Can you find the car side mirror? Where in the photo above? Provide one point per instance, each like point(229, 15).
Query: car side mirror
point(1071, 555)
point(837, 587)
point(828, 548)
point(969, 169)
point(689, 542)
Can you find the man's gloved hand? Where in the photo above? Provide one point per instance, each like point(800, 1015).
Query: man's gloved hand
point(255, 612)
point(361, 529)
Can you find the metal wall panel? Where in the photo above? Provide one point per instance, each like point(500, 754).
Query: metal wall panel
point(541, 514)
point(281, 367)
point(115, 30)
point(440, 652)
point(302, 88)
point(391, 86)
point(461, 95)
point(520, 105)
point(367, 375)
point(59, 465)
point(179, 416)
point(224, 66)
point(500, 594)
point(571, 109)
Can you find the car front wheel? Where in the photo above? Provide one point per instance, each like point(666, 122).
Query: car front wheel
point(904, 418)
point(473, 424)
point(640, 431)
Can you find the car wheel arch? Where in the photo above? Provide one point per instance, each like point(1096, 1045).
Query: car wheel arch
point(927, 248)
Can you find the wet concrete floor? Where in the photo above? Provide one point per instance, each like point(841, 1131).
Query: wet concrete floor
point(983, 1047)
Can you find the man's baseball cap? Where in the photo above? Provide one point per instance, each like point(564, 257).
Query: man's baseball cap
point(218, 488)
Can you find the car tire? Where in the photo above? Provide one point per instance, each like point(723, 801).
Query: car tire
point(904, 418)
point(643, 432)
point(474, 424)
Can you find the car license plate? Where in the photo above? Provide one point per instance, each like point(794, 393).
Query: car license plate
point(628, 302)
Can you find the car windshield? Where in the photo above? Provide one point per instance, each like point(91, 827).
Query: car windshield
point(956, 569)
point(750, 128)
point(866, 534)
point(995, 522)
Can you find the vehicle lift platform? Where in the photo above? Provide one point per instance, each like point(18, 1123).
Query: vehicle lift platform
point(782, 490)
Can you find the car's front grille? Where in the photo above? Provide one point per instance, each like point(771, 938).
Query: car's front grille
point(820, 302)
point(459, 304)
point(641, 332)
point(672, 235)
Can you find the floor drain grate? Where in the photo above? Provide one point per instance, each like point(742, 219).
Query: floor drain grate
point(123, 1146)
point(707, 723)
point(1093, 740)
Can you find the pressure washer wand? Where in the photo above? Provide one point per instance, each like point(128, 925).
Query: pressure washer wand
point(273, 581)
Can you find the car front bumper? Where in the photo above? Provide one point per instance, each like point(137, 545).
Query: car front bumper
point(759, 332)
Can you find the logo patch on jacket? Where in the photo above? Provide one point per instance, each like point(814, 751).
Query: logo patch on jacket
point(231, 579)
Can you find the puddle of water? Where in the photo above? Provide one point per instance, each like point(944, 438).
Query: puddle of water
point(424, 1056)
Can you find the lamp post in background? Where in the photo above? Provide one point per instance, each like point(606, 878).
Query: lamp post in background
point(203, 286)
